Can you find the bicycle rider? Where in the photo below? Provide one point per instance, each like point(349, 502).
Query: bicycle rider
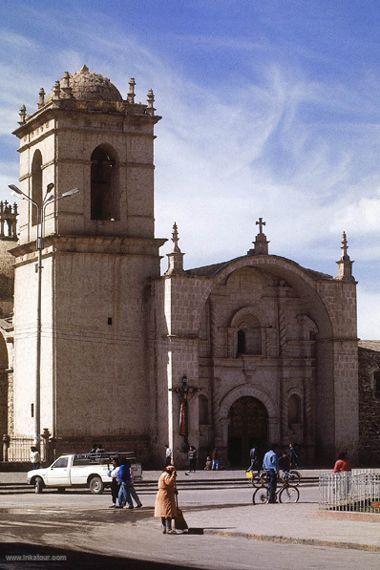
point(270, 465)
point(284, 464)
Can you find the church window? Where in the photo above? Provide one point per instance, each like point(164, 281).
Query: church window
point(249, 337)
point(294, 410)
point(104, 187)
point(203, 410)
point(36, 185)
point(376, 382)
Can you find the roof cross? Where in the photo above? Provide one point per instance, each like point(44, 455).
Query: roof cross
point(260, 223)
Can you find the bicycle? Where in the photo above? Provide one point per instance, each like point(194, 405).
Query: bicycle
point(288, 493)
point(260, 478)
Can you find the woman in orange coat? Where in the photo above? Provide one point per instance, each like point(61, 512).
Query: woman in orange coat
point(165, 505)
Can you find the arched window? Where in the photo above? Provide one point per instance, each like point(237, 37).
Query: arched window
point(36, 184)
point(249, 337)
point(104, 187)
point(376, 384)
point(203, 410)
point(241, 342)
point(294, 410)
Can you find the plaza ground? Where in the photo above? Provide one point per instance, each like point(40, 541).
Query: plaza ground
point(226, 530)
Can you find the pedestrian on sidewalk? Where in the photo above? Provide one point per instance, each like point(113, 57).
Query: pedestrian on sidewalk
point(35, 458)
point(215, 460)
point(165, 505)
point(342, 463)
point(192, 458)
point(270, 465)
point(208, 464)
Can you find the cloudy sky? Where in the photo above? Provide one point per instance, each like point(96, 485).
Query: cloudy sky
point(270, 108)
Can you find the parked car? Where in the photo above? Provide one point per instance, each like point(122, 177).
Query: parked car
point(81, 470)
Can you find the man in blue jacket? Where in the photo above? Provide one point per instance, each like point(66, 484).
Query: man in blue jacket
point(270, 465)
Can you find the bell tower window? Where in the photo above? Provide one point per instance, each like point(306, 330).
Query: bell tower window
point(104, 185)
point(36, 184)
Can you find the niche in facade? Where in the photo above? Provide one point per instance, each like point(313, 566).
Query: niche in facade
point(294, 410)
point(104, 185)
point(249, 337)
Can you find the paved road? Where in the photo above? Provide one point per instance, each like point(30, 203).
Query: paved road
point(81, 527)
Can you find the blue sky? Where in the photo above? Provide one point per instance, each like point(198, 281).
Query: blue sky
point(270, 108)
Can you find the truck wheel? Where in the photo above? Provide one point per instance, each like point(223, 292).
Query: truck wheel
point(96, 485)
point(38, 485)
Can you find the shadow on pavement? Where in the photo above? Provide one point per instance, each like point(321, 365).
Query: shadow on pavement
point(33, 557)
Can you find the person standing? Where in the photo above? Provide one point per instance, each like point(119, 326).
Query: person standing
point(168, 455)
point(270, 465)
point(294, 459)
point(342, 463)
point(215, 460)
point(165, 505)
point(115, 483)
point(35, 458)
point(253, 458)
point(192, 457)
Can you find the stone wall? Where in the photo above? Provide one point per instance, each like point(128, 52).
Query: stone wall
point(369, 405)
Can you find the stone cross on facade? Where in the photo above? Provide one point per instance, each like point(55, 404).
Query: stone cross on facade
point(260, 223)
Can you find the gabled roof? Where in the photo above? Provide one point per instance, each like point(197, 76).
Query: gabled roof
point(370, 345)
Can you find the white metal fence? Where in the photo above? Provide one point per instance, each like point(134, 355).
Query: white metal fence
point(357, 490)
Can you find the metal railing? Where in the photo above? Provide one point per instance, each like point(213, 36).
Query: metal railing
point(18, 449)
point(356, 491)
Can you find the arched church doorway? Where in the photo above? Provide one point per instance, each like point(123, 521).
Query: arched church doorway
point(248, 427)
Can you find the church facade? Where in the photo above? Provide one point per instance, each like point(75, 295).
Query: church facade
point(253, 350)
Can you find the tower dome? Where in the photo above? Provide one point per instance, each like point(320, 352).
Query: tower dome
point(88, 86)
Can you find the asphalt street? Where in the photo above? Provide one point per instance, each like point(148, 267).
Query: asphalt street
point(84, 532)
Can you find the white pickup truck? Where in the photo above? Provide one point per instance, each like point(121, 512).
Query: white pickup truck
point(80, 470)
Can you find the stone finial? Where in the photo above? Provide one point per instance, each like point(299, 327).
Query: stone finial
point(22, 115)
point(260, 245)
point(150, 102)
point(345, 263)
point(131, 93)
point(84, 69)
point(66, 88)
point(8, 221)
point(175, 258)
point(41, 98)
point(57, 90)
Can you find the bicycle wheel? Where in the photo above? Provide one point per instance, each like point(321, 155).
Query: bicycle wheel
point(289, 494)
point(260, 496)
point(294, 477)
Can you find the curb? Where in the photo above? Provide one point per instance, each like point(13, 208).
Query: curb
point(292, 540)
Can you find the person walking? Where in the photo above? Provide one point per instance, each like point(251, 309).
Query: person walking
point(192, 457)
point(165, 505)
point(124, 495)
point(215, 460)
point(131, 488)
point(35, 458)
point(270, 465)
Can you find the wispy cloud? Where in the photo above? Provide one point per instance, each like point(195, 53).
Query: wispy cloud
point(275, 144)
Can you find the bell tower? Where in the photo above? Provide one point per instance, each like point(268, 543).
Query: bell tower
point(99, 255)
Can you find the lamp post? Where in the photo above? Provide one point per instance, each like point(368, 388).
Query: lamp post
point(41, 212)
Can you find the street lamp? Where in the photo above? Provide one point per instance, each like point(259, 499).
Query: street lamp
point(41, 212)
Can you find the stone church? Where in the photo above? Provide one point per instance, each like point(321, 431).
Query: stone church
point(253, 350)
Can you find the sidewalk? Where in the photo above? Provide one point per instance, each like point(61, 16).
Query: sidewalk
point(301, 523)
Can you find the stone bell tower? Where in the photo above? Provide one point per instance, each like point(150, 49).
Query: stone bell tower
point(99, 253)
